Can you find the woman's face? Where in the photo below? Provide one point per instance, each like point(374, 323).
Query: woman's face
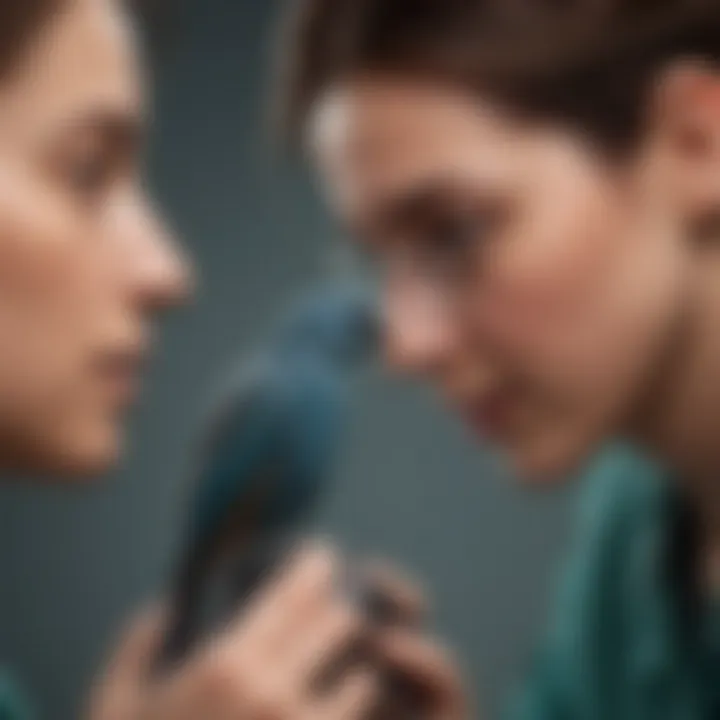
point(534, 284)
point(84, 260)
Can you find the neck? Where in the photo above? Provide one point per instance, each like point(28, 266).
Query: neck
point(681, 424)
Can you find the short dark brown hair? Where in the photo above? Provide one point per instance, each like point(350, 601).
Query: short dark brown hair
point(587, 63)
point(19, 21)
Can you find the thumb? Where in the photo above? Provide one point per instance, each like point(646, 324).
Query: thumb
point(139, 645)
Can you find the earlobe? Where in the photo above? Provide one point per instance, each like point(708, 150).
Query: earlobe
point(687, 125)
point(688, 106)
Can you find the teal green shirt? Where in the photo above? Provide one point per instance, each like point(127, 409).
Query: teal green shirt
point(624, 644)
point(627, 641)
point(12, 704)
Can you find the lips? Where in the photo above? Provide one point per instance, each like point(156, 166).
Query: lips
point(121, 371)
point(490, 417)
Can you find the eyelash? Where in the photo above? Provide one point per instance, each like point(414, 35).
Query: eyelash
point(445, 248)
point(89, 176)
point(432, 253)
point(455, 233)
point(450, 242)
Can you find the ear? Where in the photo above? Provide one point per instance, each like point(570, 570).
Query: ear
point(687, 128)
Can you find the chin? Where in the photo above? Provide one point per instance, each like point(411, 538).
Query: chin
point(86, 468)
point(72, 460)
point(547, 465)
point(88, 461)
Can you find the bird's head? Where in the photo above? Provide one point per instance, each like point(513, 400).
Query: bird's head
point(340, 325)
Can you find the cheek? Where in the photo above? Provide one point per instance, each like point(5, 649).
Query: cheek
point(47, 289)
point(549, 281)
point(54, 284)
point(579, 305)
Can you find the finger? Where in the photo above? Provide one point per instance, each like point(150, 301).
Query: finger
point(421, 660)
point(277, 612)
point(408, 602)
point(358, 694)
point(139, 645)
point(322, 643)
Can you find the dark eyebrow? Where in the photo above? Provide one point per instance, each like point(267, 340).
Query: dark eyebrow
point(391, 213)
point(408, 209)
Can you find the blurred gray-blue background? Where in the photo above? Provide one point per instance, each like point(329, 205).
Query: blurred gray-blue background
point(76, 563)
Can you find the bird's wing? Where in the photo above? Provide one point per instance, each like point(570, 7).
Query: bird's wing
point(240, 455)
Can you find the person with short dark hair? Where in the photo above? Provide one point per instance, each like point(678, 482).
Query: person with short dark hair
point(540, 183)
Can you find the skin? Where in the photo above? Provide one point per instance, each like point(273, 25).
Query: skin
point(548, 292)
point(85, 264)
point(557, 298)
point(85, 261)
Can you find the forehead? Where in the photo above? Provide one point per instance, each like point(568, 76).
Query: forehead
point(85, 58)
point(378, 137)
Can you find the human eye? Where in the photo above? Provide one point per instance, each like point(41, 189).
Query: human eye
point(88, 173)
point(449, 242)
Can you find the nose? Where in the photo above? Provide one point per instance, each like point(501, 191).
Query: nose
point(419, 336)
point(164, 276)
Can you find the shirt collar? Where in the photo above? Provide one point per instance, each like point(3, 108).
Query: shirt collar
point(659, 592)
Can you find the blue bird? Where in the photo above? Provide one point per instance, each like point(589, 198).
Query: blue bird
point(268, 456)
